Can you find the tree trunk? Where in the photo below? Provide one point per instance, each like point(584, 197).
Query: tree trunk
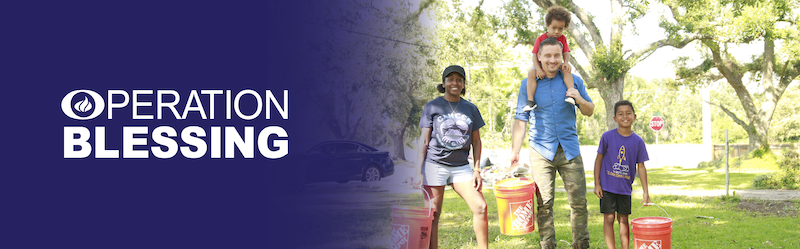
point(772, 95)
point(398, 143)
point(761, 130)
point(756, 126)
point(752, 138)
point(611, 93)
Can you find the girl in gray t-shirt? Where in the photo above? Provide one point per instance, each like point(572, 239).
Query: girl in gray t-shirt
point(450, 127)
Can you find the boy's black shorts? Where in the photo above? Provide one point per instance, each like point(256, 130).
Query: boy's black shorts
point(615, 203)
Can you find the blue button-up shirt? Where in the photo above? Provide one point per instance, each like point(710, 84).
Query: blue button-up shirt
point(553, 120)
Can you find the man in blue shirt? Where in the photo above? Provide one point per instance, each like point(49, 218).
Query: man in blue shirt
point(554, 139)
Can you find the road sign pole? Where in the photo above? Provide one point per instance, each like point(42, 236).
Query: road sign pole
point(727, 178)
point(656, 123)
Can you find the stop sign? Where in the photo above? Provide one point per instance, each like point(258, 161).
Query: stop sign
point(656, 123)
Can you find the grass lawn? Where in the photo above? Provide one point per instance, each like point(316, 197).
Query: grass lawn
point(730, 227)
point(360, 217)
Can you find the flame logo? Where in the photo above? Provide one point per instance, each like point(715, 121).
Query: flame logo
point(70, 109)
point(83, 105)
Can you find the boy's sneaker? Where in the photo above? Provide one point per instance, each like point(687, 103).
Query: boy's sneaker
point(529, 107)
point(570, 100)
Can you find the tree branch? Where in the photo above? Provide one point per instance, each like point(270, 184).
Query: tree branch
point(713, 76)
point(674, 10)
point(475, 23)
point(730, 114)
point(645, 52)
point(790, 72)
point(755, 65)
point(701, 70)
point(707, 75)
point(586, 20)
point(727, 68)
point(422, 6)
point(587, 49)
point(587, 79)
point(732, 72)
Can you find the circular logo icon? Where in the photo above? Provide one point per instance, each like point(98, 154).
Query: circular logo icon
point(83, 105)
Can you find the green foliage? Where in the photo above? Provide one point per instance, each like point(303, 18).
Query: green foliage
point(785, 126)
point(788, 177)
point(784, 171)
point(789, 160)
point(684, 72)
point(495, 140)
point(373, 87)
point(680, 107)
point(730, 198)
point(713, 164)
point(784, 179)
point(727, 23)
point(608, 61)
point(761, 153)
point(637, 9)
point(476, 46)
point(518, 18)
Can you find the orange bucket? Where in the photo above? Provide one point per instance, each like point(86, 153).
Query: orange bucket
point(515, 205)
point(652, 232)
point(411, 226)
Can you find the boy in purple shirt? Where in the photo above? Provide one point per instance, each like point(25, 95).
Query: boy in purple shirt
point(619, 149)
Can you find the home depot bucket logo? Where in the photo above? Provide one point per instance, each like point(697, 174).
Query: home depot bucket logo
point(521, 217)
point(400, 236)
point(648, 244)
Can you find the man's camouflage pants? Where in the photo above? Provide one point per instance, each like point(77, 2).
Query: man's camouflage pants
point(571, 171)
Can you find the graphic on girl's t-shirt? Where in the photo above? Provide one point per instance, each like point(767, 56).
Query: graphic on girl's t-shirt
point(620, 170)
point(453, 130)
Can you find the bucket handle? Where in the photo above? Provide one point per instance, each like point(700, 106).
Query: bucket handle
point(430, 206)
point(659, 207)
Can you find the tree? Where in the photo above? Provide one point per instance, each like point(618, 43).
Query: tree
point(405, 90)
point(467, 37)
point(726, 23)
point(609, 63)
point(407, 95)
point(369, 71)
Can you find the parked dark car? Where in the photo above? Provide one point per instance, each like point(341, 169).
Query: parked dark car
point(344, 160)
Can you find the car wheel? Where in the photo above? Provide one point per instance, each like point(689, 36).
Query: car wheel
point(343, 181)
point(371, 174)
